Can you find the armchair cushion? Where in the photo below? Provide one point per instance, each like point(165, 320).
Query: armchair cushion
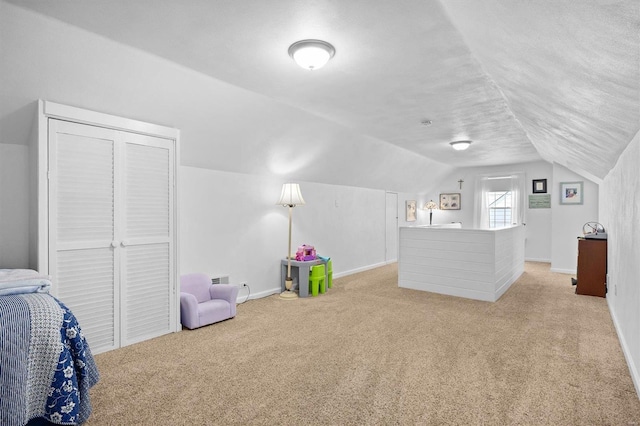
point(196, 284)
point(202, 303)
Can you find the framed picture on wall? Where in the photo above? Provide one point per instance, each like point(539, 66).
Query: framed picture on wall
point(571, 193)
point(411, 210)
point(450, 201)
point(539, 186)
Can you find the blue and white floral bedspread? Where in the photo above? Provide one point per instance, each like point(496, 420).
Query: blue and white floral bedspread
point(46, 366)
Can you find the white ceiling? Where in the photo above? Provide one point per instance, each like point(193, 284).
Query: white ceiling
point(557, 80)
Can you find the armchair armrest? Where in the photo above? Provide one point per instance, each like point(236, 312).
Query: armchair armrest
point(228, 292)
point(189, 311)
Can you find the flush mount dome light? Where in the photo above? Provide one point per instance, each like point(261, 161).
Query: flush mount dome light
point(311, 54)
point(460, 145)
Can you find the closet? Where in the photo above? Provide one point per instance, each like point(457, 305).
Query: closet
point(108, 223)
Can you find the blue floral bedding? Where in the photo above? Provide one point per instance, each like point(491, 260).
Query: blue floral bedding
point(46, 365)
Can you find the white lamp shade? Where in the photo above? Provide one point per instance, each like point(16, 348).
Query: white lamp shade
point(291, 195)
point(311, 54)
point(431, 205)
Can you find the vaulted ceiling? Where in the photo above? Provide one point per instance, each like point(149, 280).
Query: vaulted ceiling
point(524, 80)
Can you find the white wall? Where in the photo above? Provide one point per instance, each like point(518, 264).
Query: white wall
point(620, 215)
point(14, 206)
point(223, 127)
point(567, 219)
point(230, 225)
point(538, 229)
point(551, 234)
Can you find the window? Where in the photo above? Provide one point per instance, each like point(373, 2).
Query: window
point(499, 201)
point(499, 205)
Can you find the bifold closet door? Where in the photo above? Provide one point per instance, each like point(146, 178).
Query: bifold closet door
point(111, 231)
point(147, 248)
point(83, 240)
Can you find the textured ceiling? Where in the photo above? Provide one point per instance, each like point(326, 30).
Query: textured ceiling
point(524, 80)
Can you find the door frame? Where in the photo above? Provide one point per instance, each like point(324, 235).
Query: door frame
point(388, 226)
point(39, 164)
point(40, 160)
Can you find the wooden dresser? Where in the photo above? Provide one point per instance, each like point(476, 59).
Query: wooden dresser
point(592, 267)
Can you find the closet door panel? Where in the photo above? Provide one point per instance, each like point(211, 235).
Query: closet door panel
point(83, 187)
point(87, 278)
point(147, 293)
point(82, 227)
point(147, 222)
point(148, 185)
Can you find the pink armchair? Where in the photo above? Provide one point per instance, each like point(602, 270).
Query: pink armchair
point(202, 303)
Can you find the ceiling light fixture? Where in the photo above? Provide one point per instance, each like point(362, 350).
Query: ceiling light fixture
point(460, 145)
point(311, 54)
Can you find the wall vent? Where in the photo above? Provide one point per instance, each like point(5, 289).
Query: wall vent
point(224, 279)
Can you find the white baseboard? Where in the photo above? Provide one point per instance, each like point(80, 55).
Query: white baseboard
point(635, 377)
point(533, 259)
point(242, 296)
point(364, 268)
point(467, 293)
point(564, 271)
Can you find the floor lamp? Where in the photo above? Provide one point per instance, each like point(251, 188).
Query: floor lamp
point(290, 197)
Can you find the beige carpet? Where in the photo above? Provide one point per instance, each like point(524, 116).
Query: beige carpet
point(368, 352)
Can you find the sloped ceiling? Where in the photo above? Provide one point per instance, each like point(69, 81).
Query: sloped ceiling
point(558, 80)
point(569, 70)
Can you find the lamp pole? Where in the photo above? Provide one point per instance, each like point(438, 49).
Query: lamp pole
point(289, 282)
point(290, 198)
point(430, 206)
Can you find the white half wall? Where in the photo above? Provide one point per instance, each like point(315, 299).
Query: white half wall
point(620, 210)
point(14, 206)
point(472, 263)
point(230, 225)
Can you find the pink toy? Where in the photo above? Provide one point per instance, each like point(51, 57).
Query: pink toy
point(306, 252)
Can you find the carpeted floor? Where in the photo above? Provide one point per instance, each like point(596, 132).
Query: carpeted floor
point(368, 352)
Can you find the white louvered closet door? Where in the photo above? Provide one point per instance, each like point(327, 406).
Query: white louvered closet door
point(147, 225)
point(83, 187)
point(111, 231)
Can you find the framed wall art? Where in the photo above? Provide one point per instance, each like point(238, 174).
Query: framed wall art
point(539, 186)
point(411, 210)
point(450, 201)
point(540, 201)
point(571, 193)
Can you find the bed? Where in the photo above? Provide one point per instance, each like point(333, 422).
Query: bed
point(46, 365)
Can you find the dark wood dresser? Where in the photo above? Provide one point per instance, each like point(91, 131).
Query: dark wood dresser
point(592, 267)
